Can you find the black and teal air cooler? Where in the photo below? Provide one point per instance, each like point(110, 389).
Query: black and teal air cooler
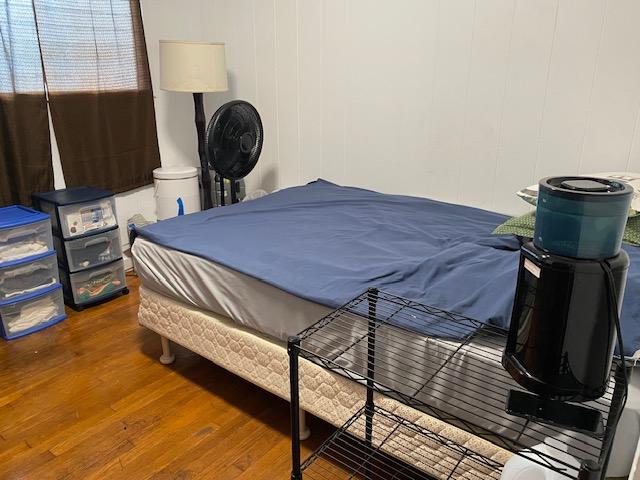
point(581, 217)
point(570, 287)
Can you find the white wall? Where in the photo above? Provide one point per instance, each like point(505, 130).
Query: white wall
point(461, 100)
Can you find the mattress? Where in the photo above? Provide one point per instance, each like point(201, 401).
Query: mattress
point(210, 286)
point(271, 313)
point(263, 361)
point(327, 244)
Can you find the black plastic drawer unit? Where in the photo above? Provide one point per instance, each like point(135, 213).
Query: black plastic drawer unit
point(87, 241)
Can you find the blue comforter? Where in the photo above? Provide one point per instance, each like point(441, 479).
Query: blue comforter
point(328, 244)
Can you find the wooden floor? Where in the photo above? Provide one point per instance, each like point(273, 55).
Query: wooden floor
point(88, 399)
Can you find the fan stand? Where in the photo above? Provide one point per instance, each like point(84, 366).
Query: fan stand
point(233, 192)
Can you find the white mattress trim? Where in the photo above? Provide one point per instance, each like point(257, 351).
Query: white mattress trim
point(264, 362)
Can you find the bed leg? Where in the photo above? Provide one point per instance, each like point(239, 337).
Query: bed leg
point(167, 357)
point(304, 430)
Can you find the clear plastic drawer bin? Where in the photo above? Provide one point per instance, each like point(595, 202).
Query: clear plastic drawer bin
point(89, 252)
point(92, 285)
point(84, 218)
point(23, 233)
point(26, 276)
point(30, 313)
point(78, 211)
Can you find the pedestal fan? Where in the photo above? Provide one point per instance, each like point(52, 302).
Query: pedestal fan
point(234, 143)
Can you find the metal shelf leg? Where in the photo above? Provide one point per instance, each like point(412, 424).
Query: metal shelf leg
point(293, 347)
point(372, 298)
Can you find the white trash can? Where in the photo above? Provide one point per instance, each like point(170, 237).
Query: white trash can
point(176, 191)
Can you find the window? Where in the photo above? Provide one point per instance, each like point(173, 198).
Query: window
point(20, 66)
point(86, 46)
point(93, 57)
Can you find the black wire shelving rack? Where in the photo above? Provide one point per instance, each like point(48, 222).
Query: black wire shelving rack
point(448, 366)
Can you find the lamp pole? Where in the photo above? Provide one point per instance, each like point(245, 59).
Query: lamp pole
point(198, 103)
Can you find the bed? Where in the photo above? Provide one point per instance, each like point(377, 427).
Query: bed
point(231, 284)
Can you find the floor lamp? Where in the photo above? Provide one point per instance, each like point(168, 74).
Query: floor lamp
point(197, 68)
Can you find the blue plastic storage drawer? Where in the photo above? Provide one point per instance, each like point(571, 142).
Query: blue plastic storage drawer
point(31, 313)
point(28, 275)
point(23, 233)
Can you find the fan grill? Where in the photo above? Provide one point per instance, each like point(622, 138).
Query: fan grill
point(234, 140)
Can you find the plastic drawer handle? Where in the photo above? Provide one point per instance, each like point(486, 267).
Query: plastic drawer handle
point(18, 234)
point(100, 274)
point(97, 241)
point(34, 267)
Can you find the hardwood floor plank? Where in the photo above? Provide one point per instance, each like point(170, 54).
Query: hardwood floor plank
point(88, 399)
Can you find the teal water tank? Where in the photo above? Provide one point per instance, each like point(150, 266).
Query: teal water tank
point(581, 217)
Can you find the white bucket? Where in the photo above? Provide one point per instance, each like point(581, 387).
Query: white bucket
point(176, 191)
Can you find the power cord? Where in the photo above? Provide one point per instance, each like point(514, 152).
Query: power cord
point(613, 308)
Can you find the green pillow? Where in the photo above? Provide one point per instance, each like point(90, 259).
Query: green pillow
point(524, 226)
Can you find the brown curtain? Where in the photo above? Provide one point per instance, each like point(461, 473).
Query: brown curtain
point(99, 86)
point(25, 150)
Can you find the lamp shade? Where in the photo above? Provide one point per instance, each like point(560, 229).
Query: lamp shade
point(195, 67)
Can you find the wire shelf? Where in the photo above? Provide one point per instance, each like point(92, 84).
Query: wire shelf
point(398, 449)
point(449, 366)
